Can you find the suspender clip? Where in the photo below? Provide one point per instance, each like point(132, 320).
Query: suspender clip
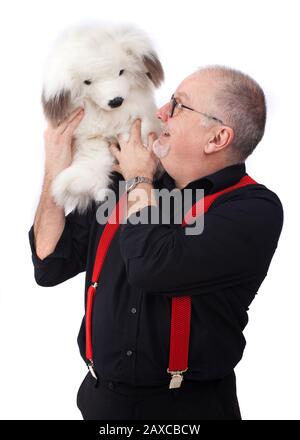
point(176, 378)
point(91, 369)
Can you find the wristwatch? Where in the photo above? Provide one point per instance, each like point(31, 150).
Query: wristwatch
point(131, 183)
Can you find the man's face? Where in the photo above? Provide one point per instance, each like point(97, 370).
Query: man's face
point(182, 142)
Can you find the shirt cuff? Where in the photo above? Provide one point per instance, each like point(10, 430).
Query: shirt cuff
point(62, 249)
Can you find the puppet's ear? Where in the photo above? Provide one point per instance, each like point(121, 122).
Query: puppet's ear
point(154, 68)
point(137, 43)
point(57, 107)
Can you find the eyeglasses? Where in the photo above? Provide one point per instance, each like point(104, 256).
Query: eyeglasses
point(174, 104)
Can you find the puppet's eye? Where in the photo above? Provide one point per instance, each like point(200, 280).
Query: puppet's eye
point(88, 82)
point(121, 72)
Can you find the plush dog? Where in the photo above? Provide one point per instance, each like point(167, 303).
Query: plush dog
point(112, 72)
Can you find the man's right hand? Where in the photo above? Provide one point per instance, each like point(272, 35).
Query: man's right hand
point(49, 219)
point(58, 143)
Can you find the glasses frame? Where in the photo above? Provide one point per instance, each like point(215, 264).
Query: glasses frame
point(174, 103)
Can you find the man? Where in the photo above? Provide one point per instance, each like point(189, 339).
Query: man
point(215, 119)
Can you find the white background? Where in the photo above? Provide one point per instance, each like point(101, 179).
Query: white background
point(41, 369)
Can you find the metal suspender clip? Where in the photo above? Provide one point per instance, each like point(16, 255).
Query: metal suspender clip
point(176, 379)
point(91, 369)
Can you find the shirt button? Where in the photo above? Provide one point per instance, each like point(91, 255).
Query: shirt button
point(129, 352)
point(133, 310)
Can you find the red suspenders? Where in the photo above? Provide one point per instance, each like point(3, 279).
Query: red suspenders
point(181, 305)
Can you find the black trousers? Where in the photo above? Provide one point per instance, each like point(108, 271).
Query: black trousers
point(211, 400)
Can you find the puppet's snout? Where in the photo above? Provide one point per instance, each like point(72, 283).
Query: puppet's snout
point(116, 102)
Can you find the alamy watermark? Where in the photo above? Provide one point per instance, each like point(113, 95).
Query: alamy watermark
point(172, 207)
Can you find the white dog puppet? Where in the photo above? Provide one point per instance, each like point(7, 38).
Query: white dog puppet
point(112, 72)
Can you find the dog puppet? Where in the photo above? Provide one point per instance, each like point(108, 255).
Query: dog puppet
point(112, 71)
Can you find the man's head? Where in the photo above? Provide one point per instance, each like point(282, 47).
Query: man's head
point(227, 123)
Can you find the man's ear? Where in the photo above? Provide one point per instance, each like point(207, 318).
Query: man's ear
point(220, 139)
point(154, 69)
point(57, 107)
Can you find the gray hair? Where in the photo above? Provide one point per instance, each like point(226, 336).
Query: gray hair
point(241, 103)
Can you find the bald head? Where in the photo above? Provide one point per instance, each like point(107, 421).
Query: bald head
point(238, 101)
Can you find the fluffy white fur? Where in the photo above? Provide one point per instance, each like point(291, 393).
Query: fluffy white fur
point(119, 62)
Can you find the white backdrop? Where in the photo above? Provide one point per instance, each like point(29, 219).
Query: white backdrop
point(41, 369)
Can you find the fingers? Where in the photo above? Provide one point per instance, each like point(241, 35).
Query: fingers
point(115, 151)
point(135, 132)
point(121, 140)
point(65, 130)
point(69, 118)
point(62, 126)
point(151, 138)
point(72, 122)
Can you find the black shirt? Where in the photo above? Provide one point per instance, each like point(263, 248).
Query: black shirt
point(147, 264)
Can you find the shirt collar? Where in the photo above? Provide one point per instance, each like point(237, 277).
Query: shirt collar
point(213, 182)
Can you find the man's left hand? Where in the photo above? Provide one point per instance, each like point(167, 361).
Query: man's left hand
point(134, 158)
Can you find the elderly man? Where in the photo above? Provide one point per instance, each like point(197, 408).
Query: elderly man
point(214, 121)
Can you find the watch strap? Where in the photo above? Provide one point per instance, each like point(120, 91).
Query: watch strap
point(136, 180)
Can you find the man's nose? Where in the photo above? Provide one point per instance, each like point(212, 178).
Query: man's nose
point(163, 112)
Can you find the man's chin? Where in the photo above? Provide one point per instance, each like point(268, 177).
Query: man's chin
point(159, 149)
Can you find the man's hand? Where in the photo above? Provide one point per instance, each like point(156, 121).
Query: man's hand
point(49, 221)
point(134, 159)
point(58, 143)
